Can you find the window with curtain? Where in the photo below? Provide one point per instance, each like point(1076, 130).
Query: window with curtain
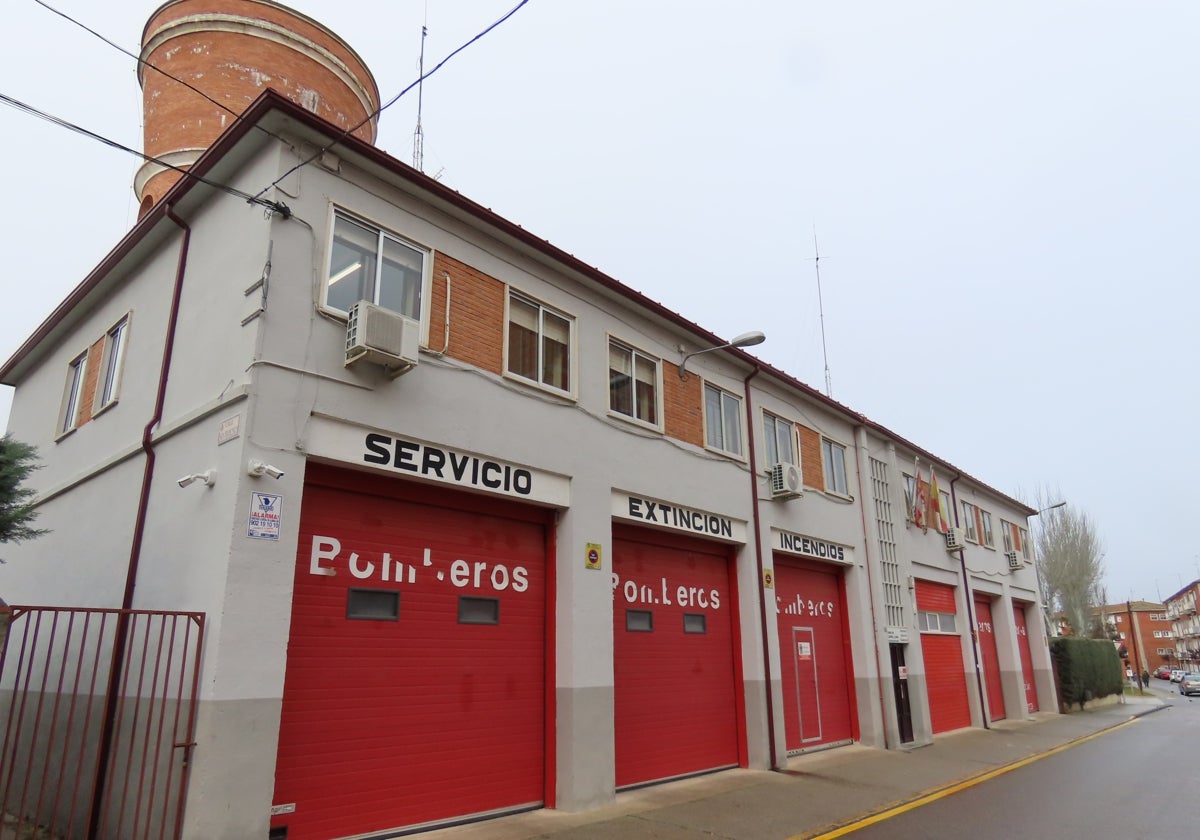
point(835, 467)
point(366, 263)
point(778, 438)
point(73, 395)
point(968, 510)
point(539, 343)
point(632, 383)
point(722, 420)
point(111, 363)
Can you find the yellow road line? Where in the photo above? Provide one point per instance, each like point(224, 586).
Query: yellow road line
point(941, 793)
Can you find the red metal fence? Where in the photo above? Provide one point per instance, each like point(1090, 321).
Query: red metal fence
point(97, 709)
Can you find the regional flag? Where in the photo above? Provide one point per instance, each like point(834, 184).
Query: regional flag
point(942, 513)
point(920, 506)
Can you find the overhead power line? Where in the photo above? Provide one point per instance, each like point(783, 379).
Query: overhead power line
point(391, 101)
point(274, 206)
point(237, 115)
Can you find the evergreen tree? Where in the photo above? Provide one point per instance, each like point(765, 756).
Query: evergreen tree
point(17, 461)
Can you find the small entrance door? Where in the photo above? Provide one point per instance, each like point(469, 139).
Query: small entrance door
point(808, 694)
point(900, 688)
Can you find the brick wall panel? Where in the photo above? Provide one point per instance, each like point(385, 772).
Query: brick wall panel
point(683, 405)
point(811, 465)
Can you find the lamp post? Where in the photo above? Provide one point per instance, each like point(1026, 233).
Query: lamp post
point(1037, 568)
point(744, 340)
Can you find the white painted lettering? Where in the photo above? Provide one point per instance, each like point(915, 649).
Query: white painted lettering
point(500, 572)
point(360, 572)
point(323, 548)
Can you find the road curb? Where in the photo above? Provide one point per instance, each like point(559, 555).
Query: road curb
point(964, 781)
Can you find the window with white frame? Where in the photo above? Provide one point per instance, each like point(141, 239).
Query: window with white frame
point(368, 263)
point(73, 395)
point(989, 539)
point(632, 383)
point(111, 363)
point(1026, 548)
point(968, 510)
point(834, 455)
point(935, 622)
point(945, 509)
point(910, 495)
point(779, 438)
point(1007, 533)
point(539, 342)
point(722, 420)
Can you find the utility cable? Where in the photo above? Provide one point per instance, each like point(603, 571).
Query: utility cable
point(274, 206)
point(391, 101)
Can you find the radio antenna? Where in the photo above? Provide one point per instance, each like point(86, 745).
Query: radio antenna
point(821, 310)
point(419, 134)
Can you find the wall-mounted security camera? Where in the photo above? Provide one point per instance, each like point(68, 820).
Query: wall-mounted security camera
point(208, 478)
point(261, 468)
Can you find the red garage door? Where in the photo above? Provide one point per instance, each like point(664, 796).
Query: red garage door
point(1031, 698)
point(414, 688)
point(677, 690)
point(945, 674)
point(991, 661)
point(814, 652)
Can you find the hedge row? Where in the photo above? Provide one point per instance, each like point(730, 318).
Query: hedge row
point(1087, 669)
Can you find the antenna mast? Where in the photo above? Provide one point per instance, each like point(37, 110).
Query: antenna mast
point(419, 134)
point(821, 309)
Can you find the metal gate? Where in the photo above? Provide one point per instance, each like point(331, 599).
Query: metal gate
point(98, 713)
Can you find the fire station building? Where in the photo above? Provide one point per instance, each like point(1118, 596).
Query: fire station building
point(472, 527)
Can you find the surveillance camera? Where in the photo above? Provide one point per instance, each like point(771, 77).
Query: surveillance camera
point(208, 477)
point(261, 468)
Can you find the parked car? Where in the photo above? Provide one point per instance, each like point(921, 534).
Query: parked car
point(1190, 684)
point(1163, 672)
point(1176, 675)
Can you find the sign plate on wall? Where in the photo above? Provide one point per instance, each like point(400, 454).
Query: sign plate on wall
point(813, 547)
point(230, 429)
point(701, 523)
point(413, 458)
point(593, 557)
point(266, 512)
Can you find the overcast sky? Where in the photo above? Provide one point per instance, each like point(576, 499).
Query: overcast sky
point(1004, 194)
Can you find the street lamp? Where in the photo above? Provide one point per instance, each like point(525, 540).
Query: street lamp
point(744, 340)
point(1037, 568)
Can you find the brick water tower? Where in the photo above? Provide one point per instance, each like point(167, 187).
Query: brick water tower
point(231, 51)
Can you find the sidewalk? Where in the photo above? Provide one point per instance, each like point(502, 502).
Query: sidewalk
point(816, 792)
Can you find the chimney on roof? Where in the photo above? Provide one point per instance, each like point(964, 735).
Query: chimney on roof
point(233, 50)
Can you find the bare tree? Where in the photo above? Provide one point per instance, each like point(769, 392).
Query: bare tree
point(1071, 559)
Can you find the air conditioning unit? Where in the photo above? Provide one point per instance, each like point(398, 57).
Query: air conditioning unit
point(786, 481)
point(1014, 559)
point(956, 539)
point(383, 337)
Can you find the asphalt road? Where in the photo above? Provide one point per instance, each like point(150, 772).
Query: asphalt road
point(1139, 780)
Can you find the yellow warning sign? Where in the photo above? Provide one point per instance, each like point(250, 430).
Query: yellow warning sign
point(593, 556)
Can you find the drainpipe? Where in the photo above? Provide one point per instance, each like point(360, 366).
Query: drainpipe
point(970, 598)
point(860, 437)
point(139, 529)
point(758, 553)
